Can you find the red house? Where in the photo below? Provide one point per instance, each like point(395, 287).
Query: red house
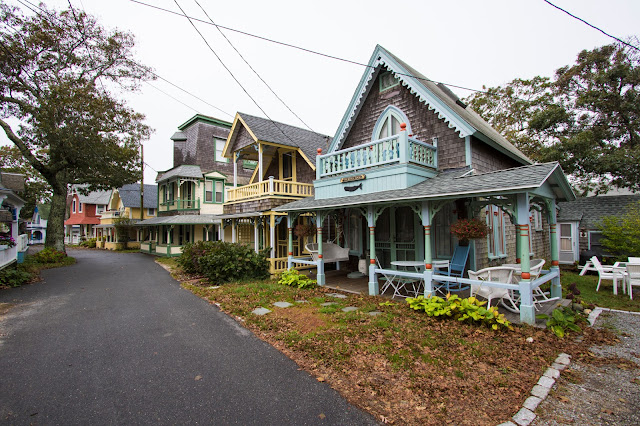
point(84, 214)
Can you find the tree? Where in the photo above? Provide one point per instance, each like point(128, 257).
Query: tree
point(621, 235)
point(37, 190)
point(587, 118)
point(61, 75)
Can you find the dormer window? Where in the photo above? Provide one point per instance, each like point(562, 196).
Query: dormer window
point(388, 80)
point(219, 149)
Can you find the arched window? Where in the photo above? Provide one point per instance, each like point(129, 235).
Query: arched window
point(388, 123)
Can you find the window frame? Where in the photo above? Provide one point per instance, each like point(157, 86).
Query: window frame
point(383, 75)
point(217, 156)
point(389, 111)
point(497, 235)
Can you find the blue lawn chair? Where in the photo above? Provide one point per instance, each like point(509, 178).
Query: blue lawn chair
point(456, 268)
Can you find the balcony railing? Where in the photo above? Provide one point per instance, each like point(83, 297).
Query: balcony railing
point(180, 204)
point(397, 149)
point(270, 188)
point(8, 255)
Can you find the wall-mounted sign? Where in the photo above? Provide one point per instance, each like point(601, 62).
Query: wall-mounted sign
point(353, 178)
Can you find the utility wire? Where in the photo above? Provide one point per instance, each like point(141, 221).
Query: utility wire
point(230, 72)
point(298, 47)
point(175, 99)
point(254, 71)
point(592, 26)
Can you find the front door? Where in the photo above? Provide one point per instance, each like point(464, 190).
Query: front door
point(567, 242)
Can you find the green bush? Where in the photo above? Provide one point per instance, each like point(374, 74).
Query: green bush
point(563, 320)
point(224, 262)
point(90, 243)
point(469, 309)
point(49, 255)
point(13, 277)
point(293, 278)
point(621, 234)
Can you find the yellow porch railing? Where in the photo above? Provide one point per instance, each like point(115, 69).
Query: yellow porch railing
point(270, 188)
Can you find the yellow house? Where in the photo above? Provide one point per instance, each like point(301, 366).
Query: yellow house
point(124, 207)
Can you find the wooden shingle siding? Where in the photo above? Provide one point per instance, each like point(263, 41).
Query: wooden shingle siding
point(425, 124)
point(304, 172)
point(273, 169)
point(486, 159)
point(255, 205)
point(243, 139)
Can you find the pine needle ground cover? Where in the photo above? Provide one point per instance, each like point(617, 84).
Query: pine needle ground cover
point(400, 365)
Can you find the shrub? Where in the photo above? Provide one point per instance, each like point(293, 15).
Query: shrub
point(49, 255)
point(621, 234)
point(563, 320)
point(13, 277)
point(90, 243)
point(223, 262)
point(293, 278)
point(470, 310)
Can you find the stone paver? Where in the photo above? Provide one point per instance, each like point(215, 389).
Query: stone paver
point(349, 309)
point(547, 382)
point(337, 295)
point(552, 372)
point(282, 304)
point(532, 403)
point(524, 417)
point(540, 391)
point(328, 304)
point(260, 311)
point(374, 313)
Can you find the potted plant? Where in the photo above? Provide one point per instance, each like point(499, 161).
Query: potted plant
point(304, 230)
point(6, 242)
point(469, 229)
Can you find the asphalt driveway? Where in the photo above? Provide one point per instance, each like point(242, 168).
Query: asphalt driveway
point(115, 340)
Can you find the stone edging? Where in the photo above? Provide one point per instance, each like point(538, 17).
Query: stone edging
point(539, 392)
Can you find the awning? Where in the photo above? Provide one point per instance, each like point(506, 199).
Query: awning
point(187, 219)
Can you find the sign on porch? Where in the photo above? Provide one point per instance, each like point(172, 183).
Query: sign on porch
point(353, 178)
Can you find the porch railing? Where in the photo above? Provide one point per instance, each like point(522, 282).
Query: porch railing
point(180, 204)
point(8, 255)
point(268, 188)
point(22, 242)
point(397, 149)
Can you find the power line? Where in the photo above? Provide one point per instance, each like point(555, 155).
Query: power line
point(592, 26)
point(175, 99)
point(298, 47)
point(230, 72)
point(254, 71)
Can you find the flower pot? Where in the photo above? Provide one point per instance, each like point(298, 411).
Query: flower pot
point(363, 267)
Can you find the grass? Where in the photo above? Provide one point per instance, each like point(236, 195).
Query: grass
point(29, 271)
point(603, 298)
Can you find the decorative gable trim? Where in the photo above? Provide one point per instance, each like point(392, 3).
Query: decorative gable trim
point(381, 58)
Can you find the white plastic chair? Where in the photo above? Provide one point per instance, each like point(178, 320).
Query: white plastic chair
point(500, 274)
point(606, 273)
point(632, 277)
point(634, 260)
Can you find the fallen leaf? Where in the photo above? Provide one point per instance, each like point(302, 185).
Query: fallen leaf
point(607, 411)
point(198, 377)
point(320, 379)
point(563, 399)
point(321, 416)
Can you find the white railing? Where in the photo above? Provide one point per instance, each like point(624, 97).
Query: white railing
point(397, 149)
point(22, 242)
point(8, 256)
point(268, 188)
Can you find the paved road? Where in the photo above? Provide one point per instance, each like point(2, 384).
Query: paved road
point(115, 340)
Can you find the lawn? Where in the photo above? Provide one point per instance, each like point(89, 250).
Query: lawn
point(603, 298)
point(399, 365)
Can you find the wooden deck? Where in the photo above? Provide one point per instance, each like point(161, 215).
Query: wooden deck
point(338, 280)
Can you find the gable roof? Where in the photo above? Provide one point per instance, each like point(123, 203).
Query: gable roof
point(130, 195)
point(436, 97)
point(12, 181)
point(455, 184)
point(185, 170)
point(590, 210)
point(206, 119)
point(95, 197)
point(262, 129)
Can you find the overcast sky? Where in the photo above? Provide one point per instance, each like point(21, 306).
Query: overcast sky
point(467, 43)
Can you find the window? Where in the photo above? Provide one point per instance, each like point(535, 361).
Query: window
point(74, 206)
point(170, 192)
point(496, 237)
point(354, 236)
point(287, 166)
point(219, 148)
point(151, 212)
point(208, 191)
point(99, 208)
point(219, 191)
point(535, 218)
point(79, 207)
point(388, 80)
point(388, 123)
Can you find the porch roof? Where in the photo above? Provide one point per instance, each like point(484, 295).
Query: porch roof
point(455, 184)
point(184, 219)
point(184, 170)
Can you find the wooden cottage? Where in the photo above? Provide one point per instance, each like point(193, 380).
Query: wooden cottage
point(408, 160)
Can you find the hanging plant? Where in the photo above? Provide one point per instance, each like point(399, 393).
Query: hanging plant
point(304, 230)
point(469, 229)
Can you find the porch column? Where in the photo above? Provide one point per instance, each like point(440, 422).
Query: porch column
point(374, 287)
point(220, 231)
point(14, 223)
point(235, 169)
point(180, 204)
point(319, 219)
point(233, 230)
point(260, 171)
point(556, 287)
point(527, 309)
point(290, 241)
point(272, 235)
point(428, 257)
point(256, 243)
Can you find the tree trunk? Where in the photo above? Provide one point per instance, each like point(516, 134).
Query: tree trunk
point(55, 225)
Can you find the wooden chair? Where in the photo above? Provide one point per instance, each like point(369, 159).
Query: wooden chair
point(500, 274)
point(632, 277)
point(456, 268)
point(606, 273)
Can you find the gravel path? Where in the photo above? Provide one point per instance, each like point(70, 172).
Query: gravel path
point(600, 393)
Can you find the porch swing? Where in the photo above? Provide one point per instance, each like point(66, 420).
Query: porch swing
point(331, 251)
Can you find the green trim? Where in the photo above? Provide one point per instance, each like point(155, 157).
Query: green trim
point(383, 75)
point(213, 197)
point(205, 119)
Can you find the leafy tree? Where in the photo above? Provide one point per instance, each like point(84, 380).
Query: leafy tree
point(61, 75)
point(37, 190)
point(587, 118)
point(622, 234)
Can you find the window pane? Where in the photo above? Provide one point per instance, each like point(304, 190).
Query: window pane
point(395, 125)
point(208, 191)
point(219, 189)
point(287, 166)
point(219, 148)
point(384, 130)
point(565, 230)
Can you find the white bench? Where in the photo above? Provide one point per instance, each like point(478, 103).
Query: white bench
point(330, 252)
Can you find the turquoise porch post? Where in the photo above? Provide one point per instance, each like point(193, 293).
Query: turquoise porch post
point(556, 287)
point(320, 276)
point(527, 308)
point(374, 289)
point(428, 257)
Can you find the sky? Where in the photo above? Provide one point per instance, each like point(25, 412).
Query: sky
point(466, 43)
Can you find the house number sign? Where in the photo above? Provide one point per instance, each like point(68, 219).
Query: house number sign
point(353, 178)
